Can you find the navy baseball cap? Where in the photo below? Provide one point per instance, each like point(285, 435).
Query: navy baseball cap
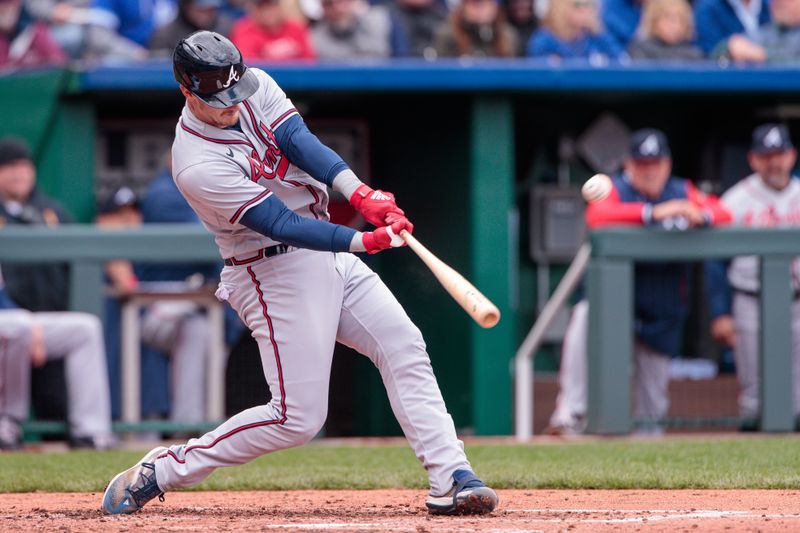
point(122, 197)
point(771, 137)
point(649, 143)
point(13, 149)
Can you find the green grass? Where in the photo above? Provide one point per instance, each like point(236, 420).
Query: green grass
point(772, 462)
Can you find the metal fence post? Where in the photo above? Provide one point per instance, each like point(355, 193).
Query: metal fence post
point(777, 407)
point(610, 345)
point(86, 287)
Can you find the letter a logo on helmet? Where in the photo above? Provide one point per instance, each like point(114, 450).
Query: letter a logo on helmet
point(211, 68)
point(232, 76)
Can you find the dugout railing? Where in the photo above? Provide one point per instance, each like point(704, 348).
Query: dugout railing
point(85, 249)
point(609, 286)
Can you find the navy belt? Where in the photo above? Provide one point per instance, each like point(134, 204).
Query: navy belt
point(269, 251)
point(757, 294)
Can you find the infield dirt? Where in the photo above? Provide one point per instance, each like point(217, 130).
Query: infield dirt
point(402, 510)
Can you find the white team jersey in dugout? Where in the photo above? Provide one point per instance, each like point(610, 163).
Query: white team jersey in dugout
point(224, 172)
point(755, 205)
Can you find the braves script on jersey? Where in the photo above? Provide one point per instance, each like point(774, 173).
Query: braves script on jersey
point(756, 205)
point(224, 172)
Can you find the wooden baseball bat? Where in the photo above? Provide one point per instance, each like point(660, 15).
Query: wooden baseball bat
point(478, 306)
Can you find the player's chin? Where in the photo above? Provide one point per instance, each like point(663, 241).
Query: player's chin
point(227, 117)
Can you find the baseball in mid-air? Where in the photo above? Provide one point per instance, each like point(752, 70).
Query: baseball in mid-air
point(596, 188)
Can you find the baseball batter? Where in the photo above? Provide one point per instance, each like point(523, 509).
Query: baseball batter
point(768, 198)
point(257, 178)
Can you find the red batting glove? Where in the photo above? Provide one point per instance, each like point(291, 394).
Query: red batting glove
point(386, 237)
point(378, 207)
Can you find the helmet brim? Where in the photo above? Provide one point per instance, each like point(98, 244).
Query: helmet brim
point(243, 89)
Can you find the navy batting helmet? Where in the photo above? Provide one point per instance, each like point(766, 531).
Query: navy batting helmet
point(211, 67)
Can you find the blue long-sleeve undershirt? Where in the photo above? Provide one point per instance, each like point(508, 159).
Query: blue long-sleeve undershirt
point(307, 152)
point(273, 219)
point(718, 290)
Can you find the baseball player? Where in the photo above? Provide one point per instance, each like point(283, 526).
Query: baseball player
point(257, 178)
point(31, 339)
point(645, 194)
point(770, 197)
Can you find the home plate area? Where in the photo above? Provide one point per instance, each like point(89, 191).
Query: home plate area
point(402, 511)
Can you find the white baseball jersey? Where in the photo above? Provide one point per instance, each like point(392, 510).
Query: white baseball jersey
point(753, 204)
point(224, 172)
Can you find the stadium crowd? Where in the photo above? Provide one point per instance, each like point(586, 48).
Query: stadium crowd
point(85, 32)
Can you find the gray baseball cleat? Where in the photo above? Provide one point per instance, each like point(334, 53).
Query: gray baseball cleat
point(469, 495)
point(131, 489)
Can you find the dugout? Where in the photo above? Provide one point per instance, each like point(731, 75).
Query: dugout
point(460, 143)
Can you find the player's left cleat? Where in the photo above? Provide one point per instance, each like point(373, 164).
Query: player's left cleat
point(131, 489)
point(469, 495)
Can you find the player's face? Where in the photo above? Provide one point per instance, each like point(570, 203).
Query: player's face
point(221, 118)
point(649, 175)
point(775, 168)
point(17, 179)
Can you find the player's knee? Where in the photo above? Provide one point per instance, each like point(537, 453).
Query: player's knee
point(306, 426)
point(16, 323)
point(87, 326)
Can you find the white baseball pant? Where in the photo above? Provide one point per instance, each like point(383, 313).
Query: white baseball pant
point(298, 305)
point(78, 338)
point(747, 316)
point(650, 376)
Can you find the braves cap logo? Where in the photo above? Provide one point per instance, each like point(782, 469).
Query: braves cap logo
point(650, 146)
point(232, 76)
point(773, 138)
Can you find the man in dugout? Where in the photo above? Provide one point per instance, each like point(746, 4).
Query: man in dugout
point(645, 193)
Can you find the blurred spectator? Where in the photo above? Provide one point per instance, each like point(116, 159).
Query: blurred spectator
point(75, 336)
point(193, 15)
point(666, 32)
point(717, 20)
point(777, 41)
point(572, 29)
point(31, 339)
point(40, 287)
point(477, 28)
point(352, 29)
point(768, 198)
point(621, 19)
point(645, 194)
point(83, 32)
point(118, 210)
point(177, 329)
point(137, 19)
point(267, 34)
point(522, 17)
point(24, 43)
point(416, 22)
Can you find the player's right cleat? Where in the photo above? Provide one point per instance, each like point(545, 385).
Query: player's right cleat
point(131, 489)
point(469, 495)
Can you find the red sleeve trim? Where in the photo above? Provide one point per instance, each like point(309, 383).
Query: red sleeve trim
point(612, 211)
point(250, 203)
point(712, 205)
point(281, 118)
